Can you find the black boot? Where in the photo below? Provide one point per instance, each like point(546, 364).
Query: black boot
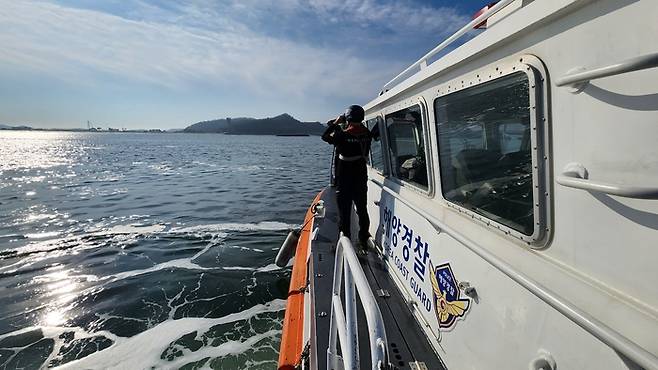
point(363, 242)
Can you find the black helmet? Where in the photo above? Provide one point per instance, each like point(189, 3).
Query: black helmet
point(354, 113)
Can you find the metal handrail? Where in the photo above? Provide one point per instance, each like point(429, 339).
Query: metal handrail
point(422, 62)
point(575, 175)
point(628, 191)
point(589, 323)
point(344, 325)
point(628, 65)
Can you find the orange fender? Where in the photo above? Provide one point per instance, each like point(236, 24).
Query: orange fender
point(290, 352)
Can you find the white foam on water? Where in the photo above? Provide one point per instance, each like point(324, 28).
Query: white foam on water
point(77, 242)
point(251, 168)
point(143, 350)
point(135, 229)
point(126, 233)
point(40, 216)
point(232, 347)
point(257, 250)
point(152, 342)
point(270, 267)
point(132, 229)
point(56, 334)
point(261, 226)
point(43, 235)
point(181, 263)
point(188, 263)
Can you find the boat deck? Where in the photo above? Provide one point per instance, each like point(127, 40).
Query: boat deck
point(407, 343)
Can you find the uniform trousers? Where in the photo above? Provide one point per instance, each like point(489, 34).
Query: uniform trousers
point(352, 184)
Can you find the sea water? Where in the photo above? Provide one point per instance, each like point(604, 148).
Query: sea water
point(136, 251)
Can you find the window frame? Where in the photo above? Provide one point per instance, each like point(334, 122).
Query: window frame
point(382, 140)
point(420, 102)
point(539, 141)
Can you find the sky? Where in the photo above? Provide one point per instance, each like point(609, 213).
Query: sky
point(167, 64)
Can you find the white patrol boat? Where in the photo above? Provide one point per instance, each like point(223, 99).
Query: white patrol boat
point(514, 204)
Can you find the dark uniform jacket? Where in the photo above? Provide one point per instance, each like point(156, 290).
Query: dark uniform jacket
point(352, 149)
point(352, 144)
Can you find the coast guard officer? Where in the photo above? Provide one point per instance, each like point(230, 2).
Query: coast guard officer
point(352, 148)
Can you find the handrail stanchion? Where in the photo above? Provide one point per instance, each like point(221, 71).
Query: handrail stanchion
point(336, 312)
point(352, 345)
point(343, 324)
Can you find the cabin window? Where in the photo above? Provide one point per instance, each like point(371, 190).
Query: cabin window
point(406, 146)
point(376, 159)
point(485, 150)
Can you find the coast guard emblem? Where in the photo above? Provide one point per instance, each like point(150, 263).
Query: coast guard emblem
point(447, 302)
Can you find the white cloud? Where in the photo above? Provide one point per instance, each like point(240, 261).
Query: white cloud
point(237, 48)
point(70, 42)
point(402, 16)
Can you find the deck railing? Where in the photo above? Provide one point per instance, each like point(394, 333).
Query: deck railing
point(344, 326)
point(422, 62)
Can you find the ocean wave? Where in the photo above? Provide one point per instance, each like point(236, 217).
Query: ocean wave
point(154, 341)
point(181, 263)
point(144, 350)
point(127, 233)
point(261, 226)
point(120, 234)
point(268, 268)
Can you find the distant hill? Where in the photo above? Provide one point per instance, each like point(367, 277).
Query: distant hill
point(8, 127)
point(283, 124)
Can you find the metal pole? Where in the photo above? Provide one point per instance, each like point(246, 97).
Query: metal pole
point(370, 307)
point(332, 362)
point(352, 346)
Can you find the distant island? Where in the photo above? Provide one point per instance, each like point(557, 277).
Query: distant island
point(281, 125)
point(4, 127)
point(18, 128)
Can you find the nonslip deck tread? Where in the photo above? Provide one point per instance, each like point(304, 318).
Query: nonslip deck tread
point(406, 340)
point(403, 332)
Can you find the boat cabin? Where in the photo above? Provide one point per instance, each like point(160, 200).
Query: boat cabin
point(513, 197)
